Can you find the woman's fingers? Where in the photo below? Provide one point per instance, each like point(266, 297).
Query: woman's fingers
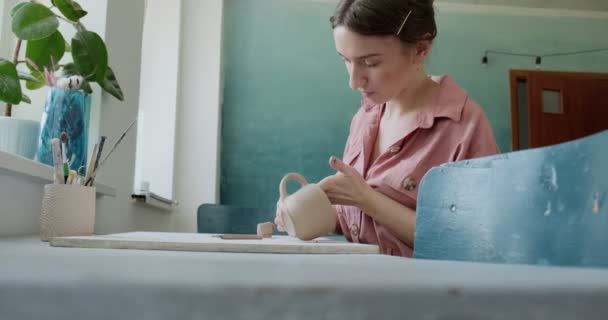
point(278, 220)
point(342, 167)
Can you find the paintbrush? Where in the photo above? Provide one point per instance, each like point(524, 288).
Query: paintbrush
point(57, 161)
point(92, 177)
point(64, 156)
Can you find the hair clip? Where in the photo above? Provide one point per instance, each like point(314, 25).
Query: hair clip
point(404, 21)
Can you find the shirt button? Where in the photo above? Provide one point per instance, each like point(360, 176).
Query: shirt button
point(408, 184)
point(354, 230)
point(394, 149)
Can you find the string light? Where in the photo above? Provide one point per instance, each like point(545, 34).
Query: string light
point(537, 58)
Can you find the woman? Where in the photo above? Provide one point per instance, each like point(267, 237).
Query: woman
point(408, 122)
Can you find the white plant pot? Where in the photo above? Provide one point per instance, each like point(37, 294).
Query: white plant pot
point(18, 136)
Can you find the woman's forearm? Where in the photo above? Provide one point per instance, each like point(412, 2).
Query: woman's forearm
point(397, 218)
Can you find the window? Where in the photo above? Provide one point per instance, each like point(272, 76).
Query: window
point(2, 14)
point(154, 166)
point(180, 94)
point(4, 28)
point(552, 101)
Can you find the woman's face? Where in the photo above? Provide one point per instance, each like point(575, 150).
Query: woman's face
point(380, 67)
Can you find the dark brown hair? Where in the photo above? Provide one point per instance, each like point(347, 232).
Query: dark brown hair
point(385, 17)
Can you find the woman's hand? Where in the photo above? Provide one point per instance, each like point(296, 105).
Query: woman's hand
point(347, 186)
point(278, 220)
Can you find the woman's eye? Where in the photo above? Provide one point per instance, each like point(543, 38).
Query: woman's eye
point(371, 64)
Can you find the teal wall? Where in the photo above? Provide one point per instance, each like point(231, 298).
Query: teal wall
point(287, 105)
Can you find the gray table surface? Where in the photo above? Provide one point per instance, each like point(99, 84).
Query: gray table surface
point(41, 282)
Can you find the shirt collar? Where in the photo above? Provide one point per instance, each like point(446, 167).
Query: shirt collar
point(450, 101)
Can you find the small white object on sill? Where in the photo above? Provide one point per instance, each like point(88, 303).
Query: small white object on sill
point(144, 196)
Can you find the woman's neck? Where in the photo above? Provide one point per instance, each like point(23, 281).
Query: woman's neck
point(414, 98)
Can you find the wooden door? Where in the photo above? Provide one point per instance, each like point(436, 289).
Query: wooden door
point(557, 107)
point(592, 95)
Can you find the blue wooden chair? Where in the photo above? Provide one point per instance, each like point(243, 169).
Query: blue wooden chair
point(213, 218)
point(543, 206)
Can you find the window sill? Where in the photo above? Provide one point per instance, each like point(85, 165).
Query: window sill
point(151, 199)
point(33, 170)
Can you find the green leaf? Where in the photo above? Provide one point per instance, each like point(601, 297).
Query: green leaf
point(111, 86)
point(26, 76)
point(26, 99)
point(90, 55)
point(69, 70)
point(70, 9)
point(33, 21)
point(41, 51)
point(10, 88)
point(17, 7)
point(86, 87)
point(68, 48)
point(38, 81)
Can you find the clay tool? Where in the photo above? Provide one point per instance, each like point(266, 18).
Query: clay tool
point(240, 237)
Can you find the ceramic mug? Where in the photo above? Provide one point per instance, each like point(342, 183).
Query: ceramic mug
point(307, 214)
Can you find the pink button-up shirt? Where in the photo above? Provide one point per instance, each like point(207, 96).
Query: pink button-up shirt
point(454, 128)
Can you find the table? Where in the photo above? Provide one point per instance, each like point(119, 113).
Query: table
point(42, 282)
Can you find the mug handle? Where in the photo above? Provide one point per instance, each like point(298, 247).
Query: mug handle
point(283, 186)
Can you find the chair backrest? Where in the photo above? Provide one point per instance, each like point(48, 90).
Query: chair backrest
point(543, 206)
point(213, 218)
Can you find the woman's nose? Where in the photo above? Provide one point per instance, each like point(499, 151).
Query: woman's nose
point(357, 79)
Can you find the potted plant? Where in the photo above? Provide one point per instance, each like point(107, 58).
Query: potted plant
point(36, 28)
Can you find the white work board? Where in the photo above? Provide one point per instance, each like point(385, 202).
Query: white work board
point(212, 243)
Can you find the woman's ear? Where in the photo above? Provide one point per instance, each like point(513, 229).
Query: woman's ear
point(423, 49)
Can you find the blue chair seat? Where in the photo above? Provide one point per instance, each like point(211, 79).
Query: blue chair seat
point(212, 218)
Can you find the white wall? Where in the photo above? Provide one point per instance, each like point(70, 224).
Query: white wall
point(197, 141)
point(546, 4)
point(3, 14)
